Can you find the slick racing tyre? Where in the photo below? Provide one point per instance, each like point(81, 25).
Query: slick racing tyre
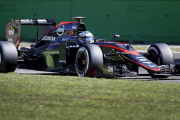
point(161, 54)
point(88, 58)
point(8, 57)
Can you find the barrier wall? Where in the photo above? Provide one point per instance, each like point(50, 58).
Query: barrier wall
point(136, 20)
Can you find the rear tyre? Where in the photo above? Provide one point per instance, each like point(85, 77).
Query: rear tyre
point(161, 54)
point(8, 57)
point(88, 58)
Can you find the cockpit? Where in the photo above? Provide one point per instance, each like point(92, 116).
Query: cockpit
point(66, 29)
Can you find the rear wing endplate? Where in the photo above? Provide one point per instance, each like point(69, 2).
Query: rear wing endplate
point(13, 29)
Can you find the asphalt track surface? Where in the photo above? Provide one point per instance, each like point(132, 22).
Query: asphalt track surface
point(171, 79)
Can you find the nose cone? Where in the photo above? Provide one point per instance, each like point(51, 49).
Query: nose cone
point(144, 62)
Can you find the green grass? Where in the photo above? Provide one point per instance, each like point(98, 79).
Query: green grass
point(38, 97)
point(23, 44)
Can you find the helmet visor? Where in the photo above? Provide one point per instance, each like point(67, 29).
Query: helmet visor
point(89, 39)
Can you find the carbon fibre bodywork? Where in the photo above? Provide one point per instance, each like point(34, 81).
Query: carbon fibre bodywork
point(57, 50)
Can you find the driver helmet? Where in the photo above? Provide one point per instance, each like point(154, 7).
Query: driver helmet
point(87, 36)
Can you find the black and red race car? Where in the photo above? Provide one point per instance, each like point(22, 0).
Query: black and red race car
point(69, 48)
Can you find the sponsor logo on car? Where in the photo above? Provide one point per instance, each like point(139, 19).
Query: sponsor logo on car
point(142, 59)
point(42, 20)
point(27, 21)
point(60, 30)
point(74, 27)
point(49, 38)
point(147, 62)
point(110, 69)
point(152, 66)
point(11, 32)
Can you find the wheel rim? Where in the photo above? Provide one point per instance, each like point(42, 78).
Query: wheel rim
point(154, 58)
point(82, 61)
point(153, 52)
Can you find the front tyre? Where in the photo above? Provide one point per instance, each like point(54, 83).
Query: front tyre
point(161, 54)
point(88, 58)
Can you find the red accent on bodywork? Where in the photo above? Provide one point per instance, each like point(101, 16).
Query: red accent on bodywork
point(53, 44)
point(144, 65)
point(17, 42)
point(62, 23)
point(8, 31)
point(123, 50)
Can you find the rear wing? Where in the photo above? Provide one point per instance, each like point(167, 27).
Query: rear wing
point(13, 29)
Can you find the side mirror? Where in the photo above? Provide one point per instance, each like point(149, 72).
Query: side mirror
point(115, 36)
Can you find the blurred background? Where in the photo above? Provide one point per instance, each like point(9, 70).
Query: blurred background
point(136, 20)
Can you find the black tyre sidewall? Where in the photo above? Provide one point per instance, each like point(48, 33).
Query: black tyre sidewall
point(82, 73)
point(1, 60)
point(94, 58)
point(8, 57)
point(166, 57)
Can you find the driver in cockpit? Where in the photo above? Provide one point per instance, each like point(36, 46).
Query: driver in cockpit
point(87, 37)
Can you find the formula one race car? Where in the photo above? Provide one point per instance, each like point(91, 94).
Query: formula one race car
point(69, 48)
